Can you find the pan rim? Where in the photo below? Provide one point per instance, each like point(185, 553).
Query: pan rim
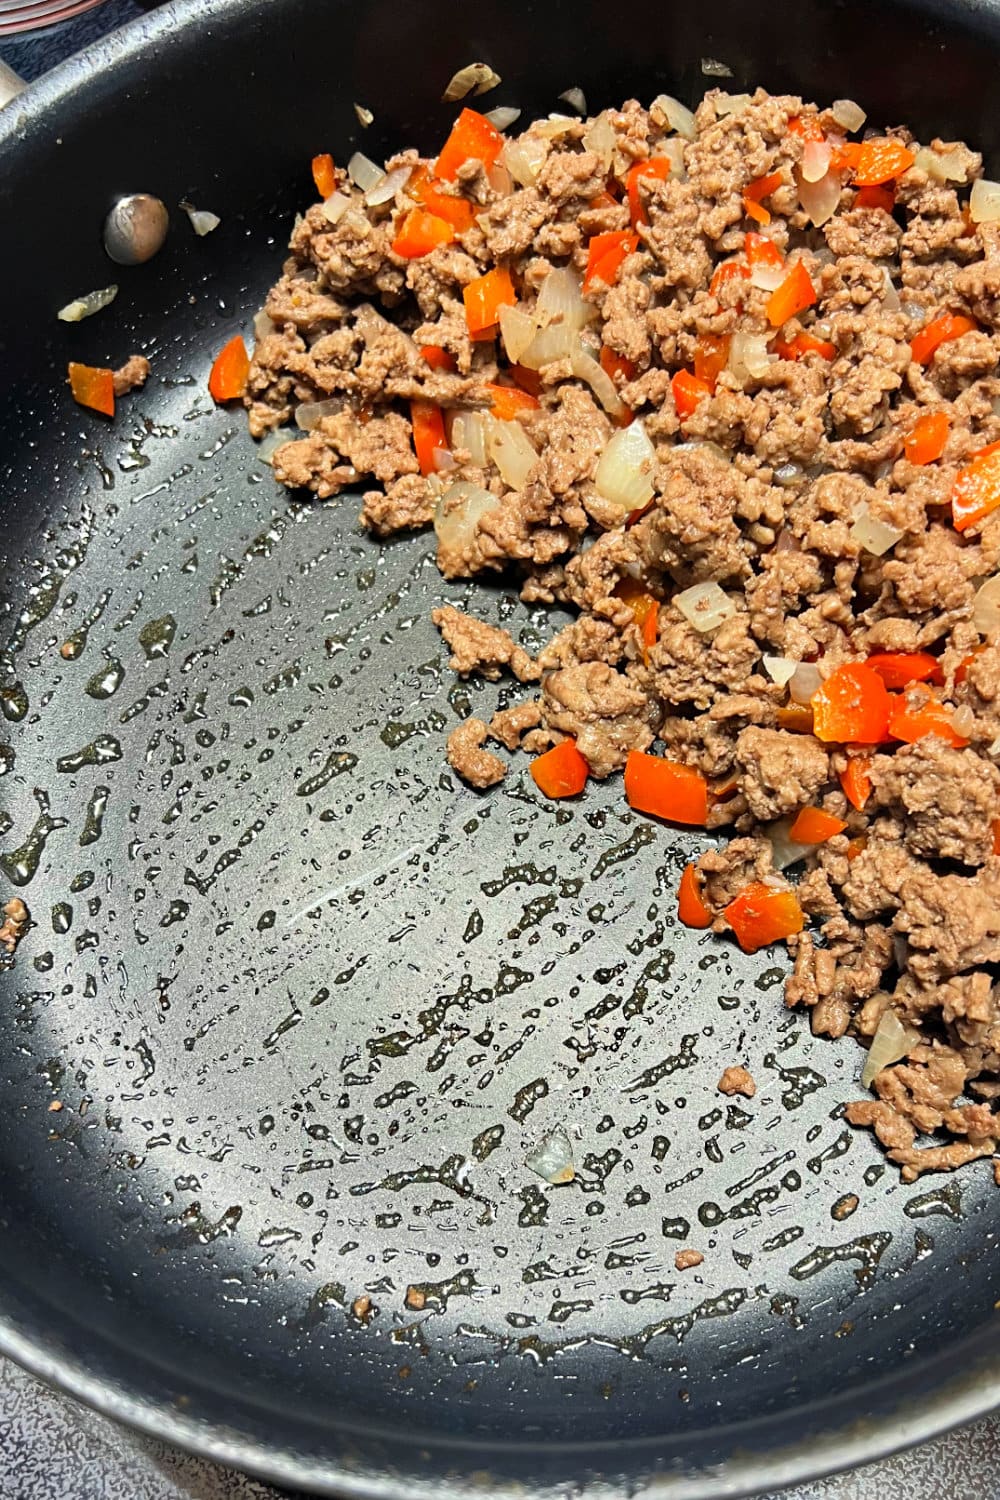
point(957, 1402)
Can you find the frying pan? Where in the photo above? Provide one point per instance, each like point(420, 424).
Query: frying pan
point(306, 1002)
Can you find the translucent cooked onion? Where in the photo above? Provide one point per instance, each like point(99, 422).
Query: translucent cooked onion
point(365, 116)
point(85, 307)
point(848, 114)
point(819, 199)
point(517, 329)
point(363, 172)
point(731, 104)
point(467, 429)
point(804, 682)
point(269, 445)
point(263, 325)
point(784, 851)
point(309, 414)
point(673, 150)
point(872, 535)
point(768, 278)
point(670, 111)
point(561, 300)
point(523, 159)
point(511, 450)
point(624, 474)
point(984, 201)
point(388, 186)
point(890, 1044)
point(890, 297)
point(459, 511)
point(748, 356)
point(503, 117)
point(601, 139)
point(474, 78)
point(600, 382)
point(557, 341)
point(552, 1158)
point(576, 99)
point(202, 222)
point(780, 669)
point(986, 606)
point(704, 605)
point(785, 475)
point(943, 166)
point(335, 207)
point(556, 126)
point(815, 161)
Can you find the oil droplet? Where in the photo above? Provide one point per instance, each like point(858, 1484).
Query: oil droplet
point(106, 680)
point(98, 753)
point(156, 636)
point(93, 823)
point(13, 701)
point(20, 864)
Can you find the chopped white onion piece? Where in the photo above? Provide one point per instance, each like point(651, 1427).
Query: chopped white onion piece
point(787, 474)
point(963, 720)
point(705, 605)
point(365, 116)
point(819, 199)
point(712, 68)
point(890, 1044)
point(986, 606)
point(388, 186)
point(335, 207)
point(848, 114)
point(872, 535)
point(804, 682)
point(511, 450)
point(458, 513)
point(668, 110)
point(552, 1158)
point(517, 329)
point(601, 139)
point(748, 356)
point(600, 382)
point(202, 222)
point(784, 851)
point(263, 325)
point(475, 78)
point(767, 278)
point(309, 414)
point(444, 460)
point(780, 669)
point(673, 150)
point(555, 126)
point(363, 172)
point(984, 201)
point(561, 300)
point(85, 307)
point(269, 445)
point(523, 158)
point(624, 473)
point(576, 99)
point(943, 166)
point(815, 161)
point(731, 104)
point(993, 748)
point(890, 297)
point(467, 429)
point(503, 117)
point(557, 341)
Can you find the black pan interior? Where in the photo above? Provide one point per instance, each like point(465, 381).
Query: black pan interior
point(304, 1000)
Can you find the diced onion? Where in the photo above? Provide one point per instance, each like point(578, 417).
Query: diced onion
point(552, 1158)
point(335, 207)
point(891, 1042)
point(556, 126)
point(202, 222)
point(784, 851)
point(872, 535)
point(712, 68)
point(263, 325)
point(780, 669)
point(388, 186)
point(269, 445)
point(963, 720)
point(767, 278)
point(561, 301)
point(804, 682)
point(309, 414)
point(601, 139)
point(815, 161)
point(576, 99)
point(475, 78)
point(85, 307)
point(459, 511)
point(503, 117)
point(672, 112)
point(731, 104)
point(363, 172)
point(517, 329)
point(365, 116)
point(984, 201)
point(785, 475)
point(600, 382)
point(624, 473)
point(748, 356)
point(943, 166)
point(673, 150)
point(557, 341)
point(890, 297)
point(818, 199)
point(704, 605)
point(523, 158)
point(986, 606)
point(467, 429)
point(848, 114)
point(511, 450)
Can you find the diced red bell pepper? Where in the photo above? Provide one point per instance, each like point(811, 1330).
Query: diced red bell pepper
point(855, 780)
point(509, 402)
point(898, 669)
point(688, 391)
point(420, 233)
point(976, 491)
point(926, 443)
point(428, 434)
point(324, 174)
point(561, 771)
point(93, 386)
point(438, 358)
point(761, 251)
point(762, 914)
point(807, 127)
point(605, 254)
point(851, 707)
point(940, 330)
point(472, 137)
point(730, 270)
point(793, 296)
point(484, 298)
point(814, 826)
point(801, 345)
point(666, 789)
point(883, 196)
point(692, 908)
point(426, 190)
point(228, 379)
point(880, 160)
point(711, 353)
point(655, 169)
point(761, 187)
point(614, 364)
point(917, 713)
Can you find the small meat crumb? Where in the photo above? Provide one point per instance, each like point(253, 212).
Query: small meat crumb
point(479, 767)
point(996, 1173)
point(16, 918)
point(55, 1106)
point(737, 1081)
point(67, 651)
point(479, 647)
point(132, 374)
point(415, 1298)
point(361, 1307)
point(684, 1260)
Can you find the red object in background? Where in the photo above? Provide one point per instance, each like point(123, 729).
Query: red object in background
point(28, 17)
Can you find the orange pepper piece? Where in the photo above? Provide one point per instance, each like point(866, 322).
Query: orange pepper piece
point(420, 233)
point(814, 826)
point(438, 358)
point(603, 200)
point(926, 443)
point(509, 403)
point(688, 391)
point(324, 174)
point(614, 364)
point(692, 908)
point(855, 780)
point(976, 491)
point(881, 196)
point(424, 189)
point(995, 825)
point(93, 386)
point(472, 136)
point(803, 344)
point(228, 380)
point(760, 251)
point(807, 127)
point(966, 662)
point(484, 298)
point(851, 707)
point(428, 434)
point(605, 254)
point(880, 160)
point(528, 380)
point(666, 789)
point(857, 846)
point(761, 915)
point(940, 330)
point(917, 713)
point(761, 187)
point(793, 296)
point(656, 169)
point(898, 669)
point(561, 771)
point(730, 270)
point(711, 353)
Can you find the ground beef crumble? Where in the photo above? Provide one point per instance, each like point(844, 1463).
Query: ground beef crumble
point(791, 479)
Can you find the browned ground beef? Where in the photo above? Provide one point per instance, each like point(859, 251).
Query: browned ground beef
point(756, 489)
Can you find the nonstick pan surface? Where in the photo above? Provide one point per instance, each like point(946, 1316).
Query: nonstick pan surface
point(304, 1000)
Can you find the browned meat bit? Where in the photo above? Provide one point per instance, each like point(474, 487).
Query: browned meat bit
point(685, 1260)
point(362, 1308)
point(132, 374)
point(737, 1080)
point(780, 772)
point(482, 648)
point(479, 767)
point(510, 725)
point(416, 1298)
point(602, 711)
point(15, 921)
point(405, 505)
